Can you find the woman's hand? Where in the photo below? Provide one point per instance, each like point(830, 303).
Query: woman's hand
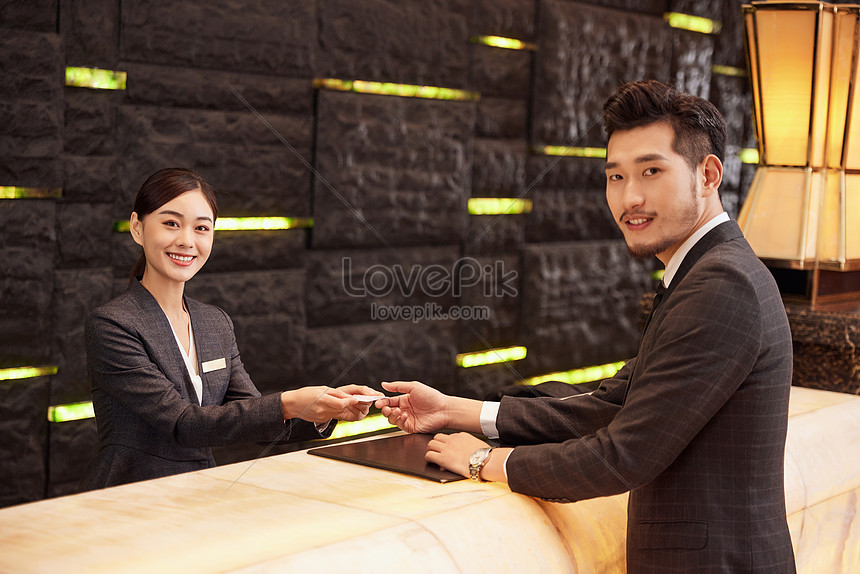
point(321, 404)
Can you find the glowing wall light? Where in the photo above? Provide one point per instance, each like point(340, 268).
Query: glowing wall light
point(95, 78)
point(803, 207)
point(503, 355)
point(692, 23)
point(12, 192)
point(15, 373)
point(578, 376)
point(500, 42)
point(71, 412)
point(560, 150)
point(499, 206)
point(390, 89)
point(728, 71)
point(368, 424)
point(749, 155)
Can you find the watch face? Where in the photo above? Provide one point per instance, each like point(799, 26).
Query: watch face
point(478, 456)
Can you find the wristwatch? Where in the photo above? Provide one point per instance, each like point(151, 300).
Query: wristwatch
point(477, 462)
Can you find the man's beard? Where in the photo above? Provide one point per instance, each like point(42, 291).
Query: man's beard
point(687, 219)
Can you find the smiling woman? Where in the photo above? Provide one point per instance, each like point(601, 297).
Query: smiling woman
point(167, 379)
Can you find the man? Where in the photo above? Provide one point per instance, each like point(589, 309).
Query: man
point(694, 426)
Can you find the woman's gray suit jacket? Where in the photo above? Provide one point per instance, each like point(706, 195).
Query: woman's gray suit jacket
point(149, 421)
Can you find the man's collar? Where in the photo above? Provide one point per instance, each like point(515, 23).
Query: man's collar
point(678, 257)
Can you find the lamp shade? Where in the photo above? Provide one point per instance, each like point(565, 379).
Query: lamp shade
point(803, 207)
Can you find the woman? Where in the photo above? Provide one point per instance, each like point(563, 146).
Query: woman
point(167, 380)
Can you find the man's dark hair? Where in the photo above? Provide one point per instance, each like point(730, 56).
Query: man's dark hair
point(698, 125)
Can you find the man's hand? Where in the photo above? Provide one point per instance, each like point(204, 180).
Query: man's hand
point(420, 409)
point(452, 451)
point(321, 404)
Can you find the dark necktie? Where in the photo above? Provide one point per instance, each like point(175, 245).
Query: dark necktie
point(658, 296)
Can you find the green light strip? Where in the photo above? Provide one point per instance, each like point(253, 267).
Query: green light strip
point(500, 42)
point(729, 71)
point(389, 89)
point(95, 78)
point(371, 423)
point(491, 357)
point(692, 23)
point(570, 151)
point(499, 206)
point(749, 155)
point(16, 373)
point(71, 412)
point(658, 275)
point(12, 192)
point(246, 223)
point(578, 376)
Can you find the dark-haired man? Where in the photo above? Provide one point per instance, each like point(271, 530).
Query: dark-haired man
point(694, 426)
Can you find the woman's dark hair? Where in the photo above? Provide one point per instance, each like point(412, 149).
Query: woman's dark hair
point(698, 125)
point(163, 186)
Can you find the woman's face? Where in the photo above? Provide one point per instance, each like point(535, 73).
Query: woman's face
point(176, 238)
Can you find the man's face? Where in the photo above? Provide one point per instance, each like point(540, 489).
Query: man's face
point(654, 195)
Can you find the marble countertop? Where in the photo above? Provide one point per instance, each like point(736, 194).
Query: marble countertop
point(297, 511)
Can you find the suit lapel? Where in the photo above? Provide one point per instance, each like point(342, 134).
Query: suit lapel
point(207, 346)
point(156, 330)
point(720, 234)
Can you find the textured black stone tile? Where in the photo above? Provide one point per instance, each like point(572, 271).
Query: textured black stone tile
point(344, 287)
point(38, 15)
point(729, 44)
point(585, 53)
point(580, 304)
point(31, 116)
point(506, 18)
point(189, 87)
point(492, 234)
point(479, 382)
point(252, 172)
point(653, 7)
point(499, 167)
point(257, 250)
point(383, 351)
point(704, 8)
point(692, 57)
point(499, 72)
point(72, 450)
point(501, 118)
point(28, 238)
point(92, 179)
point(31, 172)
point(83, 234)
point(89, 30)
point(395, 171)
point(268, 313)
point(251, 36)
point(90, 122)
point(23, 450)
point(570, 215)
point(497, 292)
point(555, 172)
point(393, 41)
point(25, 322)
point(76, 294)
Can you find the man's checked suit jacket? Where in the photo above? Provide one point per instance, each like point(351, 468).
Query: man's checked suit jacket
point(694, 426)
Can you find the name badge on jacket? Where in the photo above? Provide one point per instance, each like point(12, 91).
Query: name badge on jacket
point(214, 365)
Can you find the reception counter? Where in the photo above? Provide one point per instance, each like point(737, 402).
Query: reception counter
point(296, 512)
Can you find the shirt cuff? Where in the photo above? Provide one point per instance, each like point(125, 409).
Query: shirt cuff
point(489, 412)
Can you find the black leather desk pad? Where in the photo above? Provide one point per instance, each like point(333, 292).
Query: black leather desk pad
point(401, 453)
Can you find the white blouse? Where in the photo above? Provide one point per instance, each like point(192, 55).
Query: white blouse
point(196, 380)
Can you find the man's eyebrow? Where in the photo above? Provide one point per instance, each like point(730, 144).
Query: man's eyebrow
point(641, 159)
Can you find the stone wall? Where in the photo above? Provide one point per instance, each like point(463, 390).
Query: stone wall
point(226, 87)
